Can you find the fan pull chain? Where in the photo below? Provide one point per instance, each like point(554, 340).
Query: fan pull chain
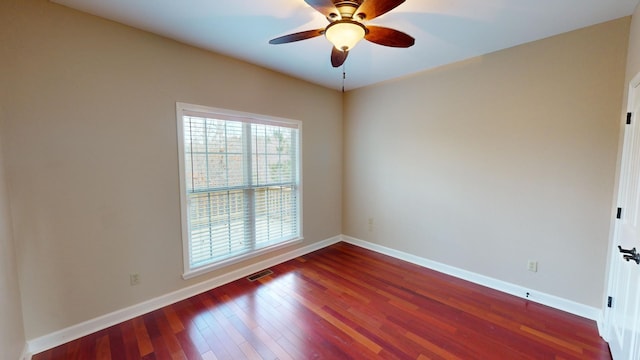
point(344, 76)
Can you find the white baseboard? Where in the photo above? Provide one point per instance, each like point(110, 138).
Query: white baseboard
point(503, 286)
point(60, 337)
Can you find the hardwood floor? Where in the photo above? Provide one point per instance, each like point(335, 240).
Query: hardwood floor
point(346, 302)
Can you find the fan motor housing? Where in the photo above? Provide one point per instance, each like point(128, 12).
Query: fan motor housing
point(346, 8)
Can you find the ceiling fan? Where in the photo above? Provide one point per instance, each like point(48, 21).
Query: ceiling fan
point(346, 27)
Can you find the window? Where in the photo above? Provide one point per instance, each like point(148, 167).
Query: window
point(240, 185)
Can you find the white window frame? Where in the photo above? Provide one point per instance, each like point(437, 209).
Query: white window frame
point(225, 114)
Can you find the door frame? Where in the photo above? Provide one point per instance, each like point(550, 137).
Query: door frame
point(605, 326)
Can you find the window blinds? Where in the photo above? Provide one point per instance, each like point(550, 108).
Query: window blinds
point(241, 181)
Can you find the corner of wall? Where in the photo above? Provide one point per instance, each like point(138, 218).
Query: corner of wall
point(12, 334)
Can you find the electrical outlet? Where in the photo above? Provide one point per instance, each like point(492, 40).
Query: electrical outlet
point(134, 279)
point(532, 266)
point(370, 224)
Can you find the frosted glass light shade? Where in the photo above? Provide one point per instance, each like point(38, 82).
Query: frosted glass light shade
point(345, 34)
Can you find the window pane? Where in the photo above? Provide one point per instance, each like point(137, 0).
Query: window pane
point(217, 225)
point(273, 155)
point(213, 153)
point(276, 214)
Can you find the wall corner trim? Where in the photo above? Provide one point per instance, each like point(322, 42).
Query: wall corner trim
point(77, 331)
point(602, 329)
point(566, 305)
point(25, 355)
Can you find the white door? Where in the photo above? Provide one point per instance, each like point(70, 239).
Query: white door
point(622, 324)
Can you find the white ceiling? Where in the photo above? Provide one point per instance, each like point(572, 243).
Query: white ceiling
point(445, 31)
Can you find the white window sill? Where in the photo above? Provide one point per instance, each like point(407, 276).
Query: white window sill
point(237, 259)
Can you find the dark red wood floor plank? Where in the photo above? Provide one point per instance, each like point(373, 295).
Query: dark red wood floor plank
point(129, 339)
point(103, 348)
point(145, 346)
point(188, 346)
point(116, 343)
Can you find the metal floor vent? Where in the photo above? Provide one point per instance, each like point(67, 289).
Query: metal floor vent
point(259, 275)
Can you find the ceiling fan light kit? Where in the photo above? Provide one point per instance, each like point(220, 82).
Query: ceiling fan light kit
point(346, 27)
point(345, 34)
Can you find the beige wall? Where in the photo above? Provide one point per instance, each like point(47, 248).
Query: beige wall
point(488, 163)
point(92, 163)
point(12, 339)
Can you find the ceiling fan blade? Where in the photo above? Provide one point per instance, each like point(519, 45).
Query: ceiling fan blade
point(338, 57)
point(325, 7)
point(303, 35)
point(371, 9)
point(389, 37)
